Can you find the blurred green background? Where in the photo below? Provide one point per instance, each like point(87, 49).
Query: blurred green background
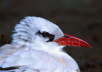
point(82, 18)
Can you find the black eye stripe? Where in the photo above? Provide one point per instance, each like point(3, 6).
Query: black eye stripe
point(51, 38)
point(46, 34)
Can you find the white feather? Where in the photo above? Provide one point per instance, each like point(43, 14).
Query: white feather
point(33, 52)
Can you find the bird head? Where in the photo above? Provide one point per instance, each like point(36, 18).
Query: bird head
point(38, 31)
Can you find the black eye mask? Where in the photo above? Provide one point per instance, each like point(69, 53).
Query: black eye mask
point(48, 35)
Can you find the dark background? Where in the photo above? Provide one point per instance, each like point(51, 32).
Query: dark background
point(82, 18)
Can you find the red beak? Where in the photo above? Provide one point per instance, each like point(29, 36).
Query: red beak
point(70, 40)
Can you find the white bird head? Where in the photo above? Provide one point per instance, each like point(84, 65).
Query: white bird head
point(38, 31)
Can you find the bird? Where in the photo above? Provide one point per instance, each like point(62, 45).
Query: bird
point(37, 46)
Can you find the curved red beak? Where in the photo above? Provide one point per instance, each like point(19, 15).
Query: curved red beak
point(70, 40)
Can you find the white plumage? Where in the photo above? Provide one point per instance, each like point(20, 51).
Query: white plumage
point(33, 52)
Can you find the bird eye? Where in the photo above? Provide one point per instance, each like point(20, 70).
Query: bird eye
point(46, 34)
point(50, 36)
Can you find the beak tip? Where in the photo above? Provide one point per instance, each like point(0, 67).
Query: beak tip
point(90, 46)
